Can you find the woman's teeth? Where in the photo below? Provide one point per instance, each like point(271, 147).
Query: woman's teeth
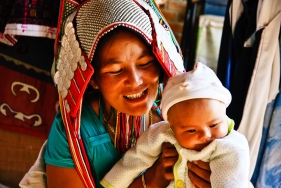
point(134, 96)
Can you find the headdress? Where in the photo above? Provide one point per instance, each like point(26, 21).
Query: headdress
point(201, 82)
point(80, 27)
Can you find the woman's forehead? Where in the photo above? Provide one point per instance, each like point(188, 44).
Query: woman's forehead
point(120, 44)
point(121, 35)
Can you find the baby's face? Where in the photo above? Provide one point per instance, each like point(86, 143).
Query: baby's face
point(197, 122)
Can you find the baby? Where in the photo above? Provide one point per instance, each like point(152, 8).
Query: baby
point(194, 107)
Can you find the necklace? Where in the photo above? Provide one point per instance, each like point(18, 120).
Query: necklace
point(150, 115)
point(125, 129)
point(108, 126)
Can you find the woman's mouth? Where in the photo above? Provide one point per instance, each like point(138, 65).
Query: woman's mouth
point(136, 95)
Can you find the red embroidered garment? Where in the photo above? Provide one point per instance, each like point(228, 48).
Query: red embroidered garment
point(24, 105)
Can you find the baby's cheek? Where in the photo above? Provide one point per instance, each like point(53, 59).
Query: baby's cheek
point(222, 132)
point(186, 141)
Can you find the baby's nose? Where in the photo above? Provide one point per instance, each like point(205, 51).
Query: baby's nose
point(205, 135)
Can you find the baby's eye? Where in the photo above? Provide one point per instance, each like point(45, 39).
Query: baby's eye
point(191, 131)
point(213, 125)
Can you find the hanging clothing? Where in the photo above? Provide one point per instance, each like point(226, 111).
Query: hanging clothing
point(242, 61)
point(249, 64)
point(28, 18)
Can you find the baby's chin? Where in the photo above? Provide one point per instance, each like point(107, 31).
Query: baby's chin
point(199, 147)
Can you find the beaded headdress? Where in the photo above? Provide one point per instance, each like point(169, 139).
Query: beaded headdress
point(80, 26)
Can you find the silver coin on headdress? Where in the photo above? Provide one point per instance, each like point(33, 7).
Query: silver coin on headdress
point(77, 54)
point(63, 41)
point(67, 28)
point(74, 66)
point(83, 63)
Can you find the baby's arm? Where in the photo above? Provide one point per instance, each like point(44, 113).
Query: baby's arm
point(230, 163)
point(137, 159)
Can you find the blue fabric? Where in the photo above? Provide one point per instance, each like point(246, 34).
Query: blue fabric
point(215, 7)
point(57, 150)
point(99, 147)
point(268, 171)
point(267, 120)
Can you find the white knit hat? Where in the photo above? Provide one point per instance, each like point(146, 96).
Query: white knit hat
point(201, 82)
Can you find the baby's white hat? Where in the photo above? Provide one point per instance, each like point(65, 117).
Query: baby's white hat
point(201, 82)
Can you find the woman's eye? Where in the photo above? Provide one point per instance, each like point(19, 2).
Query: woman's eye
point(213, 125)
point(115, 72)
point(146, 64)
point(191, 131)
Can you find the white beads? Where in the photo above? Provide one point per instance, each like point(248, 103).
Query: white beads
point(70, 55)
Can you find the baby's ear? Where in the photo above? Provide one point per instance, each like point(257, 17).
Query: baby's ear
point(93, 83)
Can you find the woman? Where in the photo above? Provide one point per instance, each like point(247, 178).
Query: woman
point(113, 47)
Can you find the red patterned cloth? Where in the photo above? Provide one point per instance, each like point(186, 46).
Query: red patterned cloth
point(27, 105)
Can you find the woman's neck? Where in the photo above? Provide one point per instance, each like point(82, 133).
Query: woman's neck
point(96, 101)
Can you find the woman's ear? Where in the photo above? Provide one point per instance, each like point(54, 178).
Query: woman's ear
point(93, 83)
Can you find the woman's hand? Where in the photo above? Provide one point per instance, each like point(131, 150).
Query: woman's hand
point(161, 173)
point(199, 173)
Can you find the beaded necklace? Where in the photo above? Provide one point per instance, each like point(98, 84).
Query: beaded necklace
point(126, 130)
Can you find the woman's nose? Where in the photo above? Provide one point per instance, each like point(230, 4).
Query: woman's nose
point(134, 77)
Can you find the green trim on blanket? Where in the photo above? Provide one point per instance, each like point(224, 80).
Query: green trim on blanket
point(104, 183)
point(230, 125)
point(177, 180)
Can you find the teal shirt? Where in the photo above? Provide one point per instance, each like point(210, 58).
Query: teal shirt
point(98, 145)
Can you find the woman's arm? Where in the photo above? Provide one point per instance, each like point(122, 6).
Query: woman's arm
point(62, 177)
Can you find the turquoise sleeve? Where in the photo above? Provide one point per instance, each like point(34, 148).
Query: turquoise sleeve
point(57, 150)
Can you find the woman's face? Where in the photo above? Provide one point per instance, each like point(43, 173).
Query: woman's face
point(197, 122)
point(128, 74)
